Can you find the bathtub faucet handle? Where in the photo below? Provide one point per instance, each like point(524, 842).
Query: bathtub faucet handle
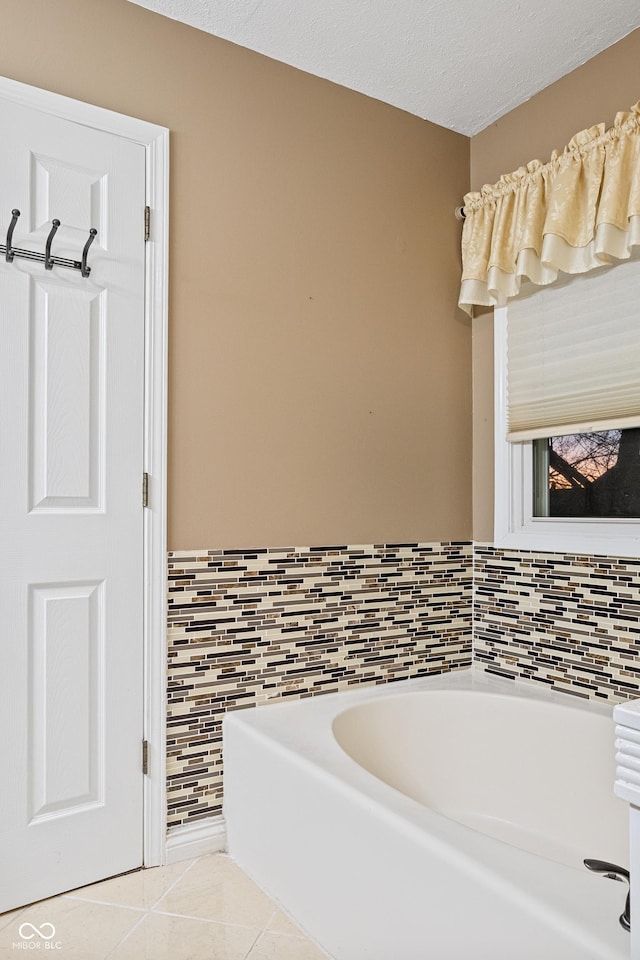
point(613, 872)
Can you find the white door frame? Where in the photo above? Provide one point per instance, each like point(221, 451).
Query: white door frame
point(155, 139)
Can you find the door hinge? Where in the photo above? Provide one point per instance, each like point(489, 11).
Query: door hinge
point(147, 223)
point(145, 489)
point(145, 757)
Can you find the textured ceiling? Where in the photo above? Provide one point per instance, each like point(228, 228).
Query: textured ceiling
point(460, 63)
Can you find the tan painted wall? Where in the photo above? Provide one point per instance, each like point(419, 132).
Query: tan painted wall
point(593, 93)
point(319, 368)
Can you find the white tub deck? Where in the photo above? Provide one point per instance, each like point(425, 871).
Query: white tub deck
point(392, 870)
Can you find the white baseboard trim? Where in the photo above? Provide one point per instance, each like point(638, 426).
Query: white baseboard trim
point(196, 839)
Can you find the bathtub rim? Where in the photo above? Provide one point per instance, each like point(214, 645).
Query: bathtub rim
point(316, 715)
point(311, 740)
point(322, 706)
point(491, 862)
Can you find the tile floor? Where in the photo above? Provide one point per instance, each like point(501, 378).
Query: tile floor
point(203, 909)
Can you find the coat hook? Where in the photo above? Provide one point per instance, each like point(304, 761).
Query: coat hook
point(48, 262)
point(84, 269)
point(9, 255)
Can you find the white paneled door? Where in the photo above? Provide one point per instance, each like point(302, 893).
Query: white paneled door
point(71, 515)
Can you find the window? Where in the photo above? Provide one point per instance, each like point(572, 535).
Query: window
point(587, 475)
point(568, 400)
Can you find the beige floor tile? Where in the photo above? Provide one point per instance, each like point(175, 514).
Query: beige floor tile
point(176, 938)
point(140, 889)
point(280, 923)
point(276, 946)
point(85, 931)
point(9, 917)
point(214, 888)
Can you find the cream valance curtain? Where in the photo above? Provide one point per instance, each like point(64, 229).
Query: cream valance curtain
point(577, 212)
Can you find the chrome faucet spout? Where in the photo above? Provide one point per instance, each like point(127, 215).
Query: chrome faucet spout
point(614, 872)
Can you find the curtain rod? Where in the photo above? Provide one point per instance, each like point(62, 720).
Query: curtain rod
point(459, 213)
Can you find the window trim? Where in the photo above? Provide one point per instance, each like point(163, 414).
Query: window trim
point(514, 523)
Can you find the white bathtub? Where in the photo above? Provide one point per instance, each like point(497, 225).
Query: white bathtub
point(439, 819)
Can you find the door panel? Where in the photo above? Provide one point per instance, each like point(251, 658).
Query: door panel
point(66, 694)
point(67, 397)
point(71, 524)
point(80, 193)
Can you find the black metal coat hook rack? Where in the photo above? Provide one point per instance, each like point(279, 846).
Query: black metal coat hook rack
point(49, 262)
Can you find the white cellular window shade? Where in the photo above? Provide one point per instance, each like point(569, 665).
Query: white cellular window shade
point(573, 356)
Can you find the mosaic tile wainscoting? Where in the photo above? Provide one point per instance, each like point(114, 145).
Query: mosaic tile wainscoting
point(570, 621)
point(250, 626)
